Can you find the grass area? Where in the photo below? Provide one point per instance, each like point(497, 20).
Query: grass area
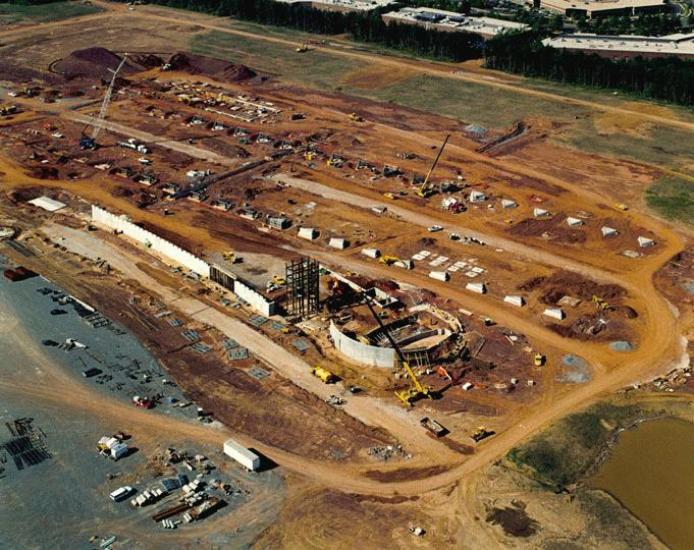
point(561, 455)
point(466, 101)
point(470, 102)
point(317, 69)
point(658, 145)
point(672, 198)
point(606, 97)
point(14, 13)
point(607, 517)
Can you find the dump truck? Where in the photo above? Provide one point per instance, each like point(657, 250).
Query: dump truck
point(433, 427)
point(325, 375)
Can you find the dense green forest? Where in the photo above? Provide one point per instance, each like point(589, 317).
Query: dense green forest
point(365, 27)
point(667, 78)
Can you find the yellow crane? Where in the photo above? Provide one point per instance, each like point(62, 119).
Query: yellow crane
point(416, 389)
point(425, 190)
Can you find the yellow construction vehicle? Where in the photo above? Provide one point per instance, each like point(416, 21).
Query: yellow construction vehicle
point(539, 359)
point(279, 280)
point(481, 433)
point(229, 256)
point(355, 117)
point(309, 155)
point(303, 48)
point(425, 190)
point(416, 389)
point(388, 260)
point(600, 303)
point(325, 375)
point(390, 196)
point(621, 206)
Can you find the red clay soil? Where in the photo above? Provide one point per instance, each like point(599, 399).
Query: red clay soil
point(217, 69)
point(565, 283)
point(95, 63)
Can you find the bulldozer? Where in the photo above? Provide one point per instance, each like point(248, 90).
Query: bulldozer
point(426, 190)
point(388, 260)
point(481, 433)
point(416, 390)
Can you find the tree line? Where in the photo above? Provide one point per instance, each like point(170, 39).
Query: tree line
point(364, 27)
point(667, 78)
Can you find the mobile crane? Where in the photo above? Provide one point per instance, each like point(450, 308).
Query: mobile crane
point(89, 142)
point(425, 190)
point(416, 390)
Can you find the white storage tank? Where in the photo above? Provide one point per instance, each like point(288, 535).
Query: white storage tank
point(308, 233)
point(514, 300)
point(371, 252)
point(478, 288)
point(240, 454)
point(554, 313)
point(439, 275)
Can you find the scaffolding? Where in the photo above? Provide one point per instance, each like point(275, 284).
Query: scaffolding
point(302, 278)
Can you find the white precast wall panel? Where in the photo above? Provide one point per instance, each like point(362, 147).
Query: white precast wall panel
point(371, 356)
point(155, 242)
point(256, 300)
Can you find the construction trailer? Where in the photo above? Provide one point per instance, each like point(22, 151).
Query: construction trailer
point(248, 459)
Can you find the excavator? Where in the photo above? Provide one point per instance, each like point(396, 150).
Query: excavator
point(416, 390)
point(426, 190)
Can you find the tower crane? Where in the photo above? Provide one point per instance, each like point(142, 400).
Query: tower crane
point(416, 389)
point(89, 142)
point(425, 190)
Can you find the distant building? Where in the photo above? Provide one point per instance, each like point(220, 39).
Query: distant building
point(624, 46)
point(342, 5)
point(600, 8)
point(451, 21)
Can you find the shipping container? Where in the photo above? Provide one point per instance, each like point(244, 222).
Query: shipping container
point(240, 454)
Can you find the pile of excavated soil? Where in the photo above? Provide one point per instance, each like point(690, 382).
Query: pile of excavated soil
point(99, 63)
point(214, 68)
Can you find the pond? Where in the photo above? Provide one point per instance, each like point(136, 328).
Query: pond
point(651, 472)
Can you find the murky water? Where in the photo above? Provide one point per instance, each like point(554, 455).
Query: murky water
point(651, 472)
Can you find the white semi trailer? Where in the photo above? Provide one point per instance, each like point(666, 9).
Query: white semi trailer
point(240, 454)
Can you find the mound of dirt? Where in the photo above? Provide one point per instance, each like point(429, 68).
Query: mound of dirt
point(214, 68)
point(99, 63)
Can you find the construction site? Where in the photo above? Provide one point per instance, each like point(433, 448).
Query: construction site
point(379, 298)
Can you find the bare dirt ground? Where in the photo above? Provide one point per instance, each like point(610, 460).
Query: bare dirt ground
point(533, 173)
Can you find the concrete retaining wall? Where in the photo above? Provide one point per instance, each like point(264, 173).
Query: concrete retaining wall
point(155, 242)
point(371, 356)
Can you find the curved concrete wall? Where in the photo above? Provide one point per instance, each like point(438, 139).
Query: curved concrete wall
point(371, 356)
